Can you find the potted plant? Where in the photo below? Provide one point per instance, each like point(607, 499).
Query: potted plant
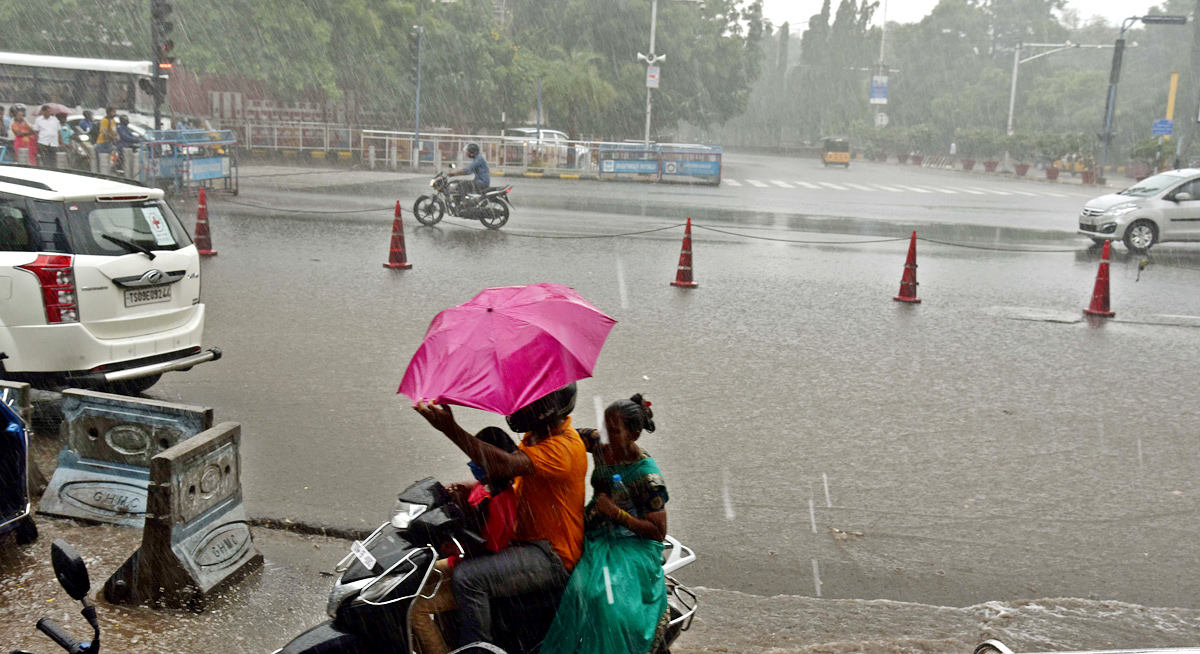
point(902, 145)
point(990, 147)
point(922, 140)
point(1148, 155)
point(1022, 149)
point(1086, 148)
point(1051, 148)
point(966, 142)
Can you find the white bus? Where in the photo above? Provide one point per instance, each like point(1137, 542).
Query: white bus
point(76, 82)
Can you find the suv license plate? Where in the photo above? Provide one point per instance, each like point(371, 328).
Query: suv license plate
point(139, 296)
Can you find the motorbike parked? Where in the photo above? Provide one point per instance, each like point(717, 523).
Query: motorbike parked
point(371, 603)
point(490, 207)
point(72, 574)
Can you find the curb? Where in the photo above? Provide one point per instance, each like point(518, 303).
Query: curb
point(571, 176)
point(309, 529)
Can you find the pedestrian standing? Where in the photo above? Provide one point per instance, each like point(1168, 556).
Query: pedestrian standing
point(23, 135)
point(47, 127)
point(8, 118)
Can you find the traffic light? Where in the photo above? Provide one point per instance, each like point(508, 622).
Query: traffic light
point(160, 34)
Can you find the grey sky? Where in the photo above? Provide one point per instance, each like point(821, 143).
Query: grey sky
point(909, 11)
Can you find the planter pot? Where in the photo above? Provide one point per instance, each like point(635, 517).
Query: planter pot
point(902, 158)
point(1088, 177)
point(917, 159)
point(1051, 173)
point(968, 164)
point(881, 158)
point(1021, 169)
point(1138, 178)
point(990, 166)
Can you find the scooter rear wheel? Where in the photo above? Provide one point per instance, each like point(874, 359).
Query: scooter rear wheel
point(429, 211)
point(494, 215)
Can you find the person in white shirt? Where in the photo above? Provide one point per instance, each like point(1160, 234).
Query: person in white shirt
point(47, 128)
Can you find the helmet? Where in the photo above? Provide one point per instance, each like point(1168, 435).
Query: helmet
point(472, 149)
point(17, 107)
point(546, 411)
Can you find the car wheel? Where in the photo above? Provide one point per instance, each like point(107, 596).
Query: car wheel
point(494, 215)
point(26, 531)
point(429, 211)
point(1140, 236)
point(133, 386)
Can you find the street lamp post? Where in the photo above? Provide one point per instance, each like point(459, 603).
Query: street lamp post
point(650, 60)
point(1114, 77)
point(1017, 61)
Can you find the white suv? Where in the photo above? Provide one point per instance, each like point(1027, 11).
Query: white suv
point(99, 283)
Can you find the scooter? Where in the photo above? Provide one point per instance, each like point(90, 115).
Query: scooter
point(72, 574)
point(490, 207)
point(371, 603)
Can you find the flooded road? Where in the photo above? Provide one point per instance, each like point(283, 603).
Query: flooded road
point(969, 454)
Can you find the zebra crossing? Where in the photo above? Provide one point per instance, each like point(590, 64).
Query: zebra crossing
point(792, 184)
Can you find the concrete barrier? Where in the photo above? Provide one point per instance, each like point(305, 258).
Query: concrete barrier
point(104, 467)
point(196, 541)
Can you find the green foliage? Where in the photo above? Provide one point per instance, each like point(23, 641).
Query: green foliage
point(473, 70)
point(1021, 146)
point(1150, 152)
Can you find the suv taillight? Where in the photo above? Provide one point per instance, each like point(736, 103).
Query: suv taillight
point(56, 274)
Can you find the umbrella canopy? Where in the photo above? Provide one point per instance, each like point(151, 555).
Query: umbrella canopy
point(55, 108)
point(507, 347)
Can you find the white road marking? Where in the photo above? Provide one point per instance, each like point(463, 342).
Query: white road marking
point(888, 188)
point(988, 190)
point(913, 188)
point(859, 187)
point(1054, 195)
point(621, 289)
point(816, 578)
point(781, 184)
point(828, 502)
point(942, 190)
point(812, 515)
point(729, 514)
point(755, 182)
point(1025, 193)
point(732, 182)
point(834, 186)
point(967, 190)
point(807, 185)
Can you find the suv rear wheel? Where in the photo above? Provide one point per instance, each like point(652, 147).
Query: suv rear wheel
point(1141, 236)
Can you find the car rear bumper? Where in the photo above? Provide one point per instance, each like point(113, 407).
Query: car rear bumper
point(72, 348)
point(157, 368)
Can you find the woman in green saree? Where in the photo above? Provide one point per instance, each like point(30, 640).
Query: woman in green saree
point(617, 594)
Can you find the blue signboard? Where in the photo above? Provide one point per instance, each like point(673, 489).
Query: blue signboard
point(879, 89)
point(693, 168)
point(1163, 127)
point(208, 168)
point(629, 166)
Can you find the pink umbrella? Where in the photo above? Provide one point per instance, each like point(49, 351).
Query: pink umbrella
point(506, 348)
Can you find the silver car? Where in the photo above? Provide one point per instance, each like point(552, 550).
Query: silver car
point(1158, 209)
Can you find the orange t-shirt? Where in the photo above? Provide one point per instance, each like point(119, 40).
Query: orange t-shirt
point(551, 499)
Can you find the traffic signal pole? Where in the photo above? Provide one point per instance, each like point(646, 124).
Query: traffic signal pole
point(164, 55)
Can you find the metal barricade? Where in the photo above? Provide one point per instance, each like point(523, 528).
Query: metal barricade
point(630, 161)
point(685, 162)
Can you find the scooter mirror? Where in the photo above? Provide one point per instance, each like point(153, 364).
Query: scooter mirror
point(453, 166)
point(70, 569)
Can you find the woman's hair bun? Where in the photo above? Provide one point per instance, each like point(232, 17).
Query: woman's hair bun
point(647, 413)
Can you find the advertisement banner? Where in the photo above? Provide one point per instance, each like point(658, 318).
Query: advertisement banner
point(629, 166)
point(879, 89)
point(693, 168)
point(208, 168)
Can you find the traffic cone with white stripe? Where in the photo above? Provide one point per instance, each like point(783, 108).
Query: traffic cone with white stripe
point(908, 281)
point(1100, 297)
point(683, 274)
point(397, 258)
point(203, 238)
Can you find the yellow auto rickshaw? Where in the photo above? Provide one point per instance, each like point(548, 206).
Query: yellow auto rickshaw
point(835, 150)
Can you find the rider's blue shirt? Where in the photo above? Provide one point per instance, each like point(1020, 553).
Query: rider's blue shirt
point(479, 166)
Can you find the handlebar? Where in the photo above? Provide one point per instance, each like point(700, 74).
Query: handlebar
point(58, 635)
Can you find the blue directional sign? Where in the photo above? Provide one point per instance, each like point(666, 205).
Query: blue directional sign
point(879, 89)
point(1163, 127)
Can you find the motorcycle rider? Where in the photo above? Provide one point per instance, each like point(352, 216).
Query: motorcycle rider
point(550, 466)
point(477, 167)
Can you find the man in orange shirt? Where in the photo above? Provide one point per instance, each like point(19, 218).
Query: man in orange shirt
point(550, 467)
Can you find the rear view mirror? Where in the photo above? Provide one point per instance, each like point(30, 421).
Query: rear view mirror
point(1183, 197)
point(453, 166)
point(70, 569)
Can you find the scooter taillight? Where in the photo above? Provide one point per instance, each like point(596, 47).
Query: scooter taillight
point(56, 274)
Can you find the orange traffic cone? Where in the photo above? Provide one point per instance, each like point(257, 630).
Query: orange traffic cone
point(908, 282)
point(1099, 306)
point(203, 239)
point(683, 275)
point(397, 258)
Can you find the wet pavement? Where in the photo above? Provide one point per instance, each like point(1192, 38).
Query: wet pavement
point(981, 450)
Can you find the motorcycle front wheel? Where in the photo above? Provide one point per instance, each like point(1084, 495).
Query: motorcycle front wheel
point(429, 211)
point(494, 215)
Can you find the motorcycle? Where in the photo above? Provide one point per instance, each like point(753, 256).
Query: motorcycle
point(371, 603)
point(72, 574)
point(490, 207)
